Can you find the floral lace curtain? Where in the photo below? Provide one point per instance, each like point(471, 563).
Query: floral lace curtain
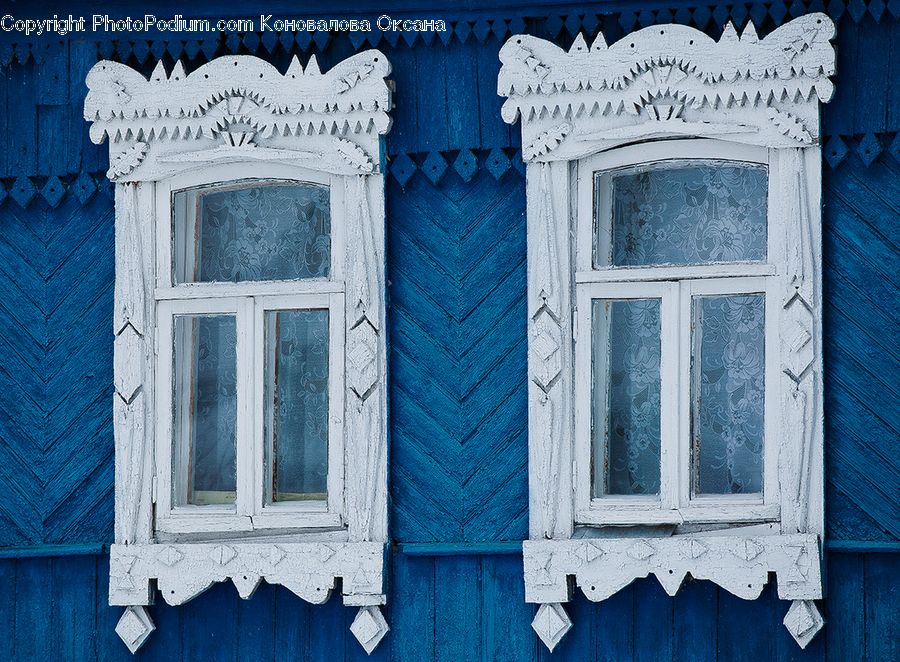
point(674, 213)
point(728, 395)
point(264, 232)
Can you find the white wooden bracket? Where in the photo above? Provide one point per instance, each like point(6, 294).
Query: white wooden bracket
point(242, 110)
point(669, 82)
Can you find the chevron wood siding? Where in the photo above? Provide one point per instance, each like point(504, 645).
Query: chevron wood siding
point(456, 265)
point(56, 455)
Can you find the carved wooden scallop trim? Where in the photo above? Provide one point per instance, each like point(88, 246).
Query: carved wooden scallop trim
point(668, 81)
point(238, 108)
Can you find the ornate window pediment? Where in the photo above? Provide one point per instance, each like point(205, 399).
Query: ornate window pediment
point(250, 381)
point(674, 302)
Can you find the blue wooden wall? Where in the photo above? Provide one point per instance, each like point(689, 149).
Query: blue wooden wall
point(456, 266)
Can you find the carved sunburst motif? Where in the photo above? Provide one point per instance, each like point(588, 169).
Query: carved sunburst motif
point(235, 120)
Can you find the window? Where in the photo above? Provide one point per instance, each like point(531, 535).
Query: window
point(674, 304)
point(672, 350)
point(250, 324)
point(250, 398)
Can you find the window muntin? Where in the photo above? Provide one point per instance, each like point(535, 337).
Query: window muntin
point(705, 474)
point(251, 231)
point(289, 461)
point(681, 211)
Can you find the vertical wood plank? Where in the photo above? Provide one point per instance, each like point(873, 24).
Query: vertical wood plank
point(412, 607)
point(845, 624)
point(109, 647)
point(738, 639)
point(506, 618)
point(52, 139)
point(653, 621)
point(256, 625)
point(882, 595)
point(837, 115)
point(431, 90)
point(694, 631)
point(402, 137)
point(613, 625)
point(81, 152)
point(8, 603)
point(462, 82)
point(71, 624)
point(327, 631)
point(291, 627)
point(33, 608)
point(210, 624)
point(4, 127)
point(52, 75)
point(871, 76)
point(494, 131)
point(457, 607)
point(21, 136)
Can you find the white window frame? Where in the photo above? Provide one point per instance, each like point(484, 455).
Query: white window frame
point(671, 92)
point(674, 286)
point(248, 300)
point(238, 120)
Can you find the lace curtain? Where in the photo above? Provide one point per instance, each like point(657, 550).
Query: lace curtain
point(263, 232)
point(674, 213)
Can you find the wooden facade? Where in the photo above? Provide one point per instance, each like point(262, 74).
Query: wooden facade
point(457, 355)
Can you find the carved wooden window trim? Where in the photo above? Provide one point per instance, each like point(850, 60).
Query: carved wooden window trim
point(665, 91)
point(238, 118)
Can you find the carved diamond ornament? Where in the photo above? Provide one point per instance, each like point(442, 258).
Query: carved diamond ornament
point(803, 621)
point(551, 622)
point(369, 627)
point(134, 627)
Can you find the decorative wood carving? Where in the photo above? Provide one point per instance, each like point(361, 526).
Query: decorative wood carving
point(672, 81)
point(740, 565)
point(240, 108)
point(183, 571)
point(366, 400)
point(668, 81)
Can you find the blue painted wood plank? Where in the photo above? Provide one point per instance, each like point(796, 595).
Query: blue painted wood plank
point(872, 76)
point(81, 152)
point(8, 604)
point(738, 640)
point(328, 631)
point(457, 607)
point(462, 79)
point(291, 626)
point(74, 578)
point(845, 629)
point(255, 626)
point(52, 139)
point(34, 590)
point(21, 135)
point(431, 107)
point(52, 84)
point(506, 618)
point(653, 621)
point(494, 131)
point(109, 646)
point(882, 608)
point(412, 608)
point(4, 125)
point(212, 632)
point(837, 115)
point(694, 622)
point(404, 133)
point(613, 624)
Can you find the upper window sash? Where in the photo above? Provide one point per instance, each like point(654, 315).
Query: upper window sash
point(236, 174)
point(591, 224)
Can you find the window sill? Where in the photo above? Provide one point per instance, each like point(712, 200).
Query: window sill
point(711, 513)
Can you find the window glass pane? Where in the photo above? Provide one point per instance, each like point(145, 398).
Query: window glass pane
point(272, 231)
point(728, 376)
point(626, 397)
point(688, 212)
point(205, 391)
point(296, 404)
